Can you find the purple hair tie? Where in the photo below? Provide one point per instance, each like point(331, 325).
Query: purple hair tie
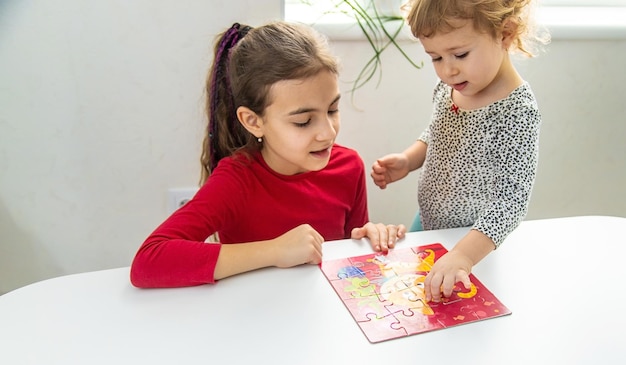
point(220, 72)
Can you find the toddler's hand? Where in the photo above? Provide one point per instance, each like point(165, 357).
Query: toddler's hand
point(382, 237)
point(451, 268)
point(390, 168)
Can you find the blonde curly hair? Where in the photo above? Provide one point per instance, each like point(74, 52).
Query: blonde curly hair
point(427, 17)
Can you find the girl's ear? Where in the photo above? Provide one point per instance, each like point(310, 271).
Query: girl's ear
point(250, 121)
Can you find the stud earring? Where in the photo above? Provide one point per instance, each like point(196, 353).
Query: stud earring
point(259, 139)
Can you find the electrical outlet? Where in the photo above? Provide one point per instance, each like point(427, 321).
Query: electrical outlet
point(177, 197)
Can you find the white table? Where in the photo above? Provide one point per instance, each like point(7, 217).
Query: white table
point(562, 278)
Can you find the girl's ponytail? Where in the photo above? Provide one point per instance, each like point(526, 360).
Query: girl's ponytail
point(224, 133)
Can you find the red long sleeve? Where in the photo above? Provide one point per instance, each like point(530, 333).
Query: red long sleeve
point(244, 200)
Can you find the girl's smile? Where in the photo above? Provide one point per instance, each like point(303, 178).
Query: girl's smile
point(323, 154)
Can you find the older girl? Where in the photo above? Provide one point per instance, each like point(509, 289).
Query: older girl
point(275, 185)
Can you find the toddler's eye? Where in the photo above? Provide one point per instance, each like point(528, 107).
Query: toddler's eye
point(462, 55)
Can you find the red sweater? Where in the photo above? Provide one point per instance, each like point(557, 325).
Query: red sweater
point(244, 200)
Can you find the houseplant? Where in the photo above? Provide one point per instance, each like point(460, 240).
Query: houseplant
point(381, 22)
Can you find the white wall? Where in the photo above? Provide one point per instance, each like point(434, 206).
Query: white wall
point(101, 113)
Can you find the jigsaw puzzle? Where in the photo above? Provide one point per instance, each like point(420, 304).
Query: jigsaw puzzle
point(385, 294)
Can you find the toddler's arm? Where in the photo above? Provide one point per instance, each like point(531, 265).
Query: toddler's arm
point(396, 166)
point(456, 265)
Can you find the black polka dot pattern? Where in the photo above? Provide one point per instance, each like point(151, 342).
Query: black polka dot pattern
point(480, 164)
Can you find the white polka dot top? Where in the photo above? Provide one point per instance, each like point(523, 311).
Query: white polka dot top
point(480, 164)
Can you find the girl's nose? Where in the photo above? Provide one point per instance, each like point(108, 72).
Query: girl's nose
point(328, 130)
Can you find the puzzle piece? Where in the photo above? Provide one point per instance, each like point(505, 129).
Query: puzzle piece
point(380, 329)
point(341, 270)
point(384, 293)
point(362, 309)
point(412, 323)
point(353, 287)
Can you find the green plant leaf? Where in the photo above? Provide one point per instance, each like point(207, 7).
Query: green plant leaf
point(374, 27)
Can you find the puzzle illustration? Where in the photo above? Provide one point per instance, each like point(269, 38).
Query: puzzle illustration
point(385, 294)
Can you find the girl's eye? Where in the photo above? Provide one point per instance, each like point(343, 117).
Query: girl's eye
point(462, 55)
point(334, 111)
point(302, 125)
point(436, 59)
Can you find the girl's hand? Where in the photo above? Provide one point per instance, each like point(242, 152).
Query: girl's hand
point(390, 168)
point(301, 245)
point(382, 237)
point(451, 268)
